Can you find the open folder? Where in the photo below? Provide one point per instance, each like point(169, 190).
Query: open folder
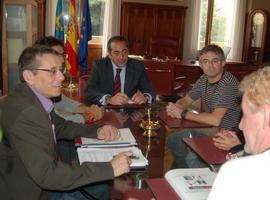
point(94, 150)
point(106, 154)
point(126, 139)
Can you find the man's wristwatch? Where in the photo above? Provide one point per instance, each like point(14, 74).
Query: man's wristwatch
point(184, 114)
point(107, 99)
point(146, 96)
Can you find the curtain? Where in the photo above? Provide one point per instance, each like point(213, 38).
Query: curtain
point(237, 34)
point(111, 25)
point(192, 30)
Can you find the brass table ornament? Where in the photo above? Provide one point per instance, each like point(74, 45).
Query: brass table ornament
point(150, 126)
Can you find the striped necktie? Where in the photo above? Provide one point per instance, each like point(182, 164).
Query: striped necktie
point(117, 81)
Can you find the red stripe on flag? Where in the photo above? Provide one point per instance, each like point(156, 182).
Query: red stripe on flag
point(71, 41)
point(72, 59)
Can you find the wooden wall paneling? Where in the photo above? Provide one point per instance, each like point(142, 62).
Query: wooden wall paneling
point(137, 26)
point(41, 18)
point(139, 22)
point(171, 22)
point(94, 52)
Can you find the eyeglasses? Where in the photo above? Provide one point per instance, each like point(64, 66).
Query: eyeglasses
point(53, 71)
point(213, 61)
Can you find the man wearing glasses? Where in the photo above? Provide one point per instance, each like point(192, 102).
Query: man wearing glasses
point(29, 164)
point(117, 79)
point(218, 91)
point(64, 106)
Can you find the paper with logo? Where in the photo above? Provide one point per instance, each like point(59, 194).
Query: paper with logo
point(192, 183)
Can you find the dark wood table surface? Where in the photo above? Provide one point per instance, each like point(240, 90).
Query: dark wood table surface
point(133, 184)
point(152, 148)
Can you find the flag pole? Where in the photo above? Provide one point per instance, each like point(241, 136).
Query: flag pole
point(72, 85)
point(72, 46)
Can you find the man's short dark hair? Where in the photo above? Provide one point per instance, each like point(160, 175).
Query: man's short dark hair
point(49, 41)
point(212, 48)
point(117, 38)
point(28, 58)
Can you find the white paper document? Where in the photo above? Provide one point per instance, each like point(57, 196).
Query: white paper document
point(126, 139)
point(192, 183)
point(107, 154)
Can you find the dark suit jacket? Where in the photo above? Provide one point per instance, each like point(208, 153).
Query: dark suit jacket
point(101, 81)
point(29, 168)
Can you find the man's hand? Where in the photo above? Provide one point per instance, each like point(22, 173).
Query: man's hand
point(119, 99)
point(173, 110)
point(121, 163)
point(226, 139)
point(138, 98)
point(97, 112)
point(108, 133)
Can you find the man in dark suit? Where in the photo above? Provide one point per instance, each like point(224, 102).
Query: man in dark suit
point(117, 79)
point(29, 165)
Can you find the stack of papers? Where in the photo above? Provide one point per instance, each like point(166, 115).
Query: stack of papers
point(107, 154)
point(94, 150)
point(126, 139)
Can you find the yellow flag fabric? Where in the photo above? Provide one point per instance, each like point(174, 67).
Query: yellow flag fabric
point(71, 41)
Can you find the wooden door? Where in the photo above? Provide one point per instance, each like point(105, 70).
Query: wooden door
point(170, 21)
point(137, 26)
point(139, 22)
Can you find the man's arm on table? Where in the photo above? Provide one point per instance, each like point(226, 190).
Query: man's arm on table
point(214, 118)
point(175, 109)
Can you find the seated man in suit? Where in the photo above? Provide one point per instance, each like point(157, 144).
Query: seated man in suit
point(218, 91)
point(29, 164)
point(117, 79)
point(248, 177)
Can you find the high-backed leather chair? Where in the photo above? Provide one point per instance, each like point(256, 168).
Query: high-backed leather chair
point(164, 47)
point(164, 80)
point(82, 85)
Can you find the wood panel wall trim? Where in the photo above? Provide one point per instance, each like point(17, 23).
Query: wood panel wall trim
point(140, 21)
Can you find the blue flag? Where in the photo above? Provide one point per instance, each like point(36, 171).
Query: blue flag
point(85, 36)
point(59, 21)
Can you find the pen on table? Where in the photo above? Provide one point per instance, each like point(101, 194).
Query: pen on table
point(131, 157)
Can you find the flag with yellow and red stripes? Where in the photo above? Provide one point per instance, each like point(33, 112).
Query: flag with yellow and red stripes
point(71, 41)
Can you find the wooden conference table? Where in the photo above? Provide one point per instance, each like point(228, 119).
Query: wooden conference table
point(133, 184)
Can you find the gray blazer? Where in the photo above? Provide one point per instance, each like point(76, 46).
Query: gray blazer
point(101, 81)
point(29, 168)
